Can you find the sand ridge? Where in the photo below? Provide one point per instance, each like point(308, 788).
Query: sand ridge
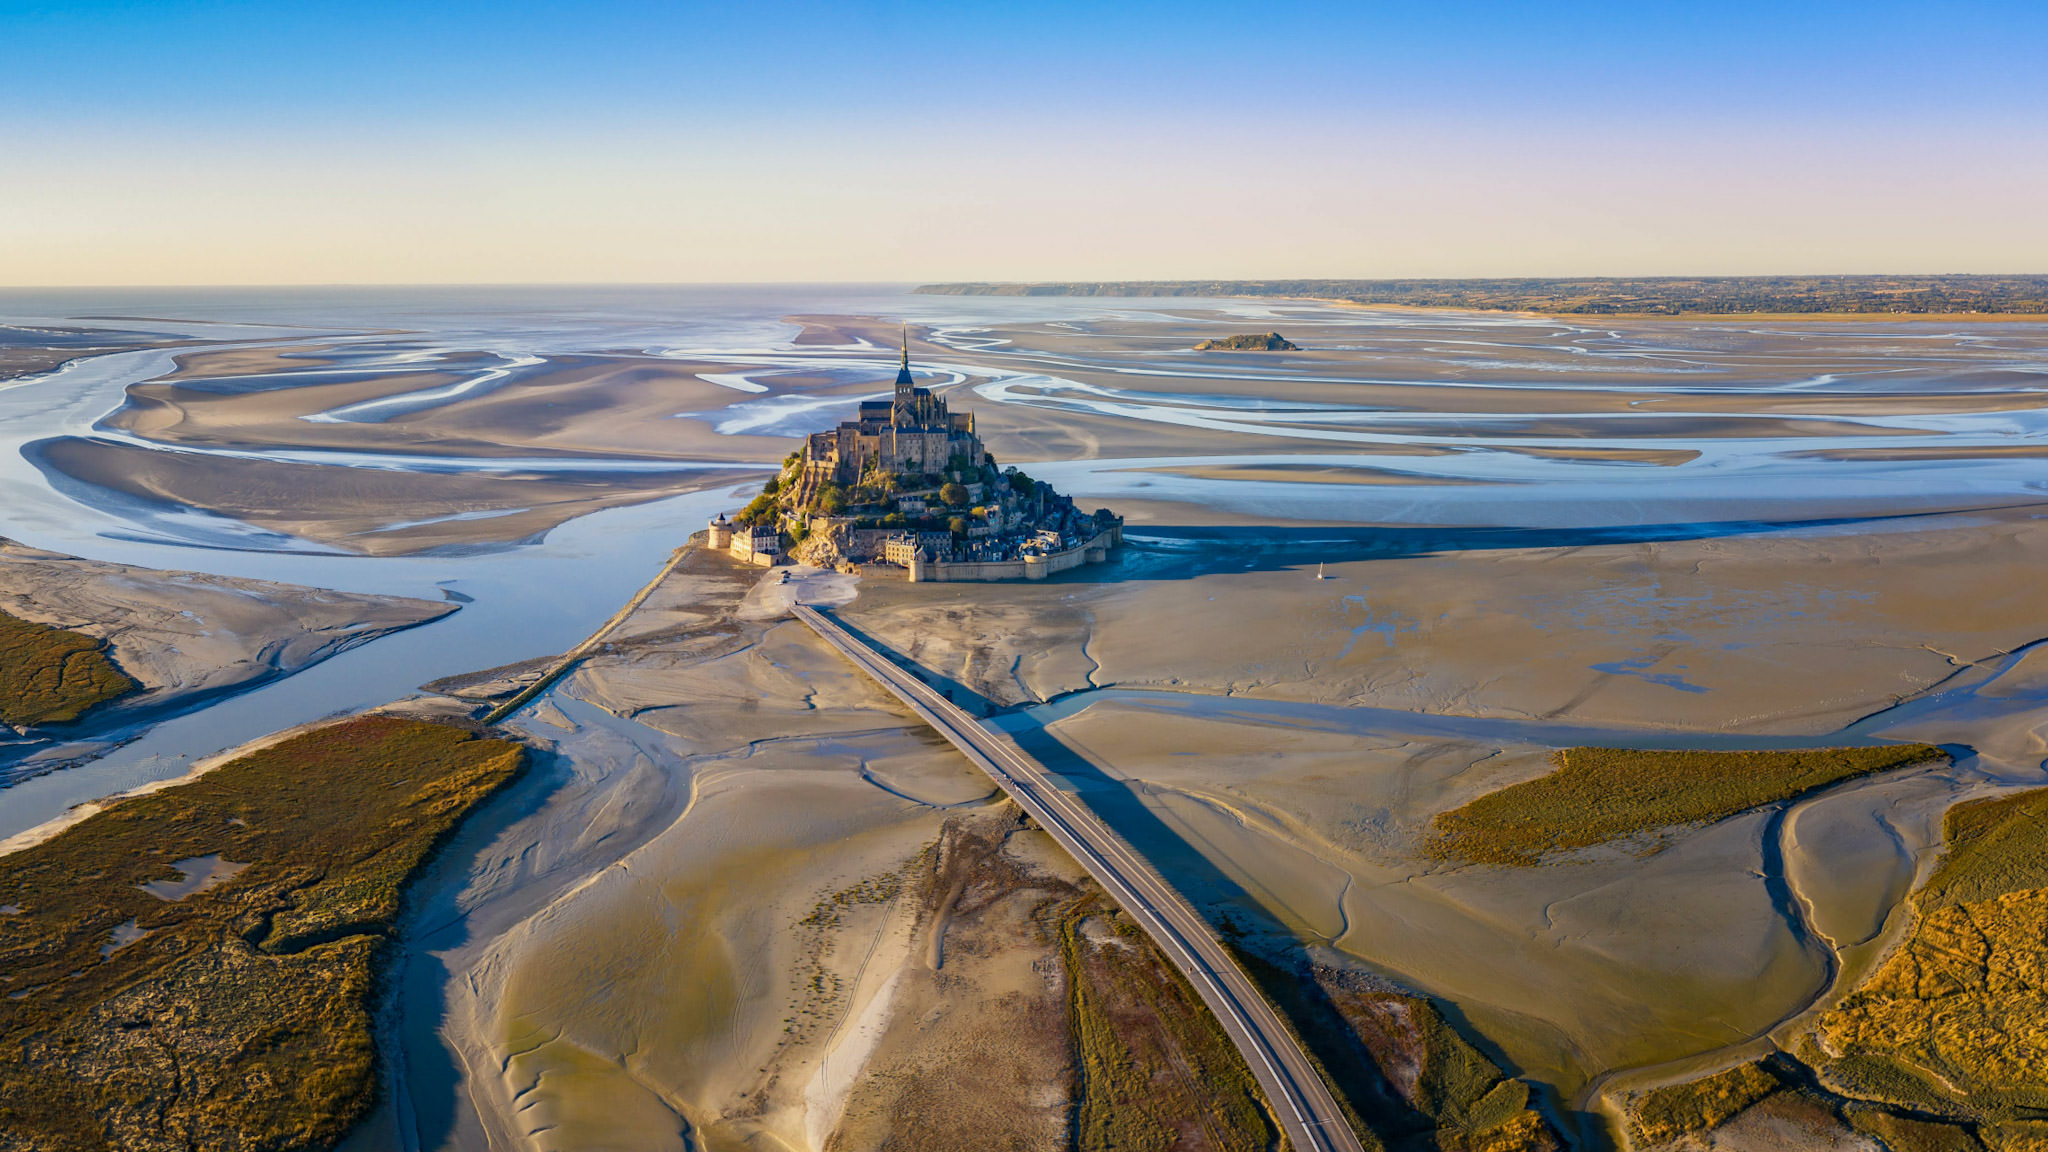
point(187, 638)
point(1279, 744)
point(722, 945)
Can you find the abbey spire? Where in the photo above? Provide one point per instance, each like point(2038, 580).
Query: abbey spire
point(903, 374)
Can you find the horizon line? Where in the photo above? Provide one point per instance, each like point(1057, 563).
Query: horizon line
point(887, 283)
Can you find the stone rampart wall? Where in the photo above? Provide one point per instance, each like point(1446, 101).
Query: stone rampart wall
point(1094, 551)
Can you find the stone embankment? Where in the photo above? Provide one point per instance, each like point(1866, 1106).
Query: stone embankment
point(570, 657)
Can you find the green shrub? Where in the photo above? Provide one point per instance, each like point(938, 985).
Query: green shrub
point(1995, 846)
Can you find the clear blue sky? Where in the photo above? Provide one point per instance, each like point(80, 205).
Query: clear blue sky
point(321, 142)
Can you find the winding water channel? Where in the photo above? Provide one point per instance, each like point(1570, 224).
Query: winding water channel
point(1500, 477)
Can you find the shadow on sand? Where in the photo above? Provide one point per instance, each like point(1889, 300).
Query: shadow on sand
point(1273, 952)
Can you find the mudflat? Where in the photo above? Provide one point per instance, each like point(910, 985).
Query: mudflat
point(1645, 419)
point(1282, 745)
point(1366, 583)
point(184, 638)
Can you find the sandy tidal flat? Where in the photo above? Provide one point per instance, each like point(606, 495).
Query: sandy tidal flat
point(697, 920)
point(485, 433)
point(186, 638)
point(728, 920)
point(1279, 744)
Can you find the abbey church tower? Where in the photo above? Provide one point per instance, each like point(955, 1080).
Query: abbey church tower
point(910, 433)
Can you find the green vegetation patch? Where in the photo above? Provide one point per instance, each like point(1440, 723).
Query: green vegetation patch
point(51, 676)
point(1994, 848)
point(236, 1014)
point(1602, 794)
point(1155, 1069)
point(1955, 1021)
point(1459, 1099)
point(1906, 1134)
point(1945, 1047)
point(1772, 1100)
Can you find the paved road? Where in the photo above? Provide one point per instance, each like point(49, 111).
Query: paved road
point(1301, 1101)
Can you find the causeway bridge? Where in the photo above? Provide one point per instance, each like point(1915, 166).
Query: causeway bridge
point(1304, 1106)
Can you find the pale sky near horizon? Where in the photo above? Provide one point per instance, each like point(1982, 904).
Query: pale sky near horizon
point(620, 140)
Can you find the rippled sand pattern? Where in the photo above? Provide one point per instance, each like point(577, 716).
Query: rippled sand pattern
point(1537, 533)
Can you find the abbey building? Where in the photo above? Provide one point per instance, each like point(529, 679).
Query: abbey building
point(907, 484)
point(909, 434)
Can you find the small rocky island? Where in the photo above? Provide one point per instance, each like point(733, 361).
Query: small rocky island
point(907, 484)
point(1269, 342)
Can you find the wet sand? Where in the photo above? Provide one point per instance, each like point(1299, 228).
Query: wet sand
point(1305, 473)
point(471, 443)
point(698, 929)
point(633, 951)
point(1560, 534)
point(26, 350)
point(186, 638)
point(371, 511)
point(1280, 744)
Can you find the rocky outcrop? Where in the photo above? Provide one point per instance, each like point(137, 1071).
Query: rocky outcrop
point(1270, 342)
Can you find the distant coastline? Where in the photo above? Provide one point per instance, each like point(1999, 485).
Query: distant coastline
point(1947, 296)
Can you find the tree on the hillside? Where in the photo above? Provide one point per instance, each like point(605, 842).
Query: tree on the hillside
point(953, 494)
point(760, 510)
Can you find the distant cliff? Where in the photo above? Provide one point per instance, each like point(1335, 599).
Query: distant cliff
point(1270, 342)
point(1656, 295)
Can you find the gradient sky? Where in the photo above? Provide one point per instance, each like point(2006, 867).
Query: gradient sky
point(612, 140)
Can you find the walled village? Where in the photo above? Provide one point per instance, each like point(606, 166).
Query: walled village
point(908, 485)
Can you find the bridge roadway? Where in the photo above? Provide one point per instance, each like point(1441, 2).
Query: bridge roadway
point(1301, 1102)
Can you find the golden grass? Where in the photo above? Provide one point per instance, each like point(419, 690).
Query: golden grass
point(241, 1018)
point(1155, 1070)
point(1666, 1113)
point(1598, 795)
point(1955, 1022)
point(51, 676)
point(1945, 1047)
point(1906, 1134)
